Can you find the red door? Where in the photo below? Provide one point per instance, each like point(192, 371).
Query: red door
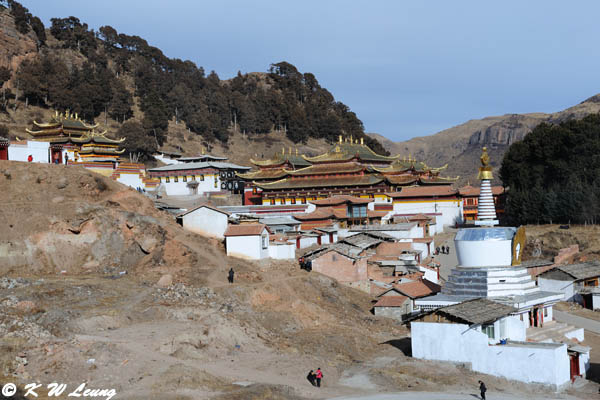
point(297, 242)
point(574, 358)
point(319, 240)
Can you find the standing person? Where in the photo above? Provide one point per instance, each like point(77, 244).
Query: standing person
point(319, 376)
point(30, 158)
point(482, 390)
point(230, 276)
point(66, 159)
point(437, 250)
point(311, 378)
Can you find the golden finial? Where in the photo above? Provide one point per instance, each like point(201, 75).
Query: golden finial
point(485, 158)
point(362, 141)
point(296, 151)
point(340, 138)
point(283, 151)
point(290, 150)
point(351, 139)
point(485, 171)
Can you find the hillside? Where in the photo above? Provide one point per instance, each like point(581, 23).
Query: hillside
point(151, 99)
point(460, 146)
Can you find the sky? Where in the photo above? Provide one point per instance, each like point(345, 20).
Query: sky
point(406, 68)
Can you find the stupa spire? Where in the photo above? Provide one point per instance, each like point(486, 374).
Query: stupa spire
point(486, 209)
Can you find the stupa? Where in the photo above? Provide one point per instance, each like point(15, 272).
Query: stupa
point(489, 258)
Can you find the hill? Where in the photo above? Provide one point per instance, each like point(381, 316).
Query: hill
point(107, 75)
point(460, 146)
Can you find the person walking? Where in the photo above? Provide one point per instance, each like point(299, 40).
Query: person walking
point(311, 378)
point(230, 275)
point(482, 390)
point(30, 158)
point(319, 376)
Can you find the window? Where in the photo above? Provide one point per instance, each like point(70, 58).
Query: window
point(201, 177)
point(591, 282)
point(303, 200)
point(193, 177)
point(176, 179)
point(254, 191)
point(167, 179)
point(216, 182)
point(489, 331)
point(293, 200)
point(185, 178)
point(272, 202)
point(545, 311)
point(265, 241)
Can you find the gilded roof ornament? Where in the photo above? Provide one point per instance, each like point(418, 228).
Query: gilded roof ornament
point(485, 158)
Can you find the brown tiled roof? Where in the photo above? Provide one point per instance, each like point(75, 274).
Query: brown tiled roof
point(391, 301)
point(424, 191)
point(335, 200)
point(376, 213)
point(474, 191)
point(437, 180)
point(245, 230)
point(418, 289)
point(420, 217)
point(401, 179)
point(322, 169)
point(392, 248)
point(341, 181)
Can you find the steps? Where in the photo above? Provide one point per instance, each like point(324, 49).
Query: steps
point(551, 331)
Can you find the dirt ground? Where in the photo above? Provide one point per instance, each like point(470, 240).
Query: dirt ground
point(553, 238)
point(80, 302)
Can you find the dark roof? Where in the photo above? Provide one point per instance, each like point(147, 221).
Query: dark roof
point(280, 159)
point(578, 271)
point(198, 165)
point(324, 169)
point(245, 230)
point(477, 311)
point(340, 199)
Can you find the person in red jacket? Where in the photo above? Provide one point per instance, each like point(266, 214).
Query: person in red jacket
point(29, 158)
point(319, 376)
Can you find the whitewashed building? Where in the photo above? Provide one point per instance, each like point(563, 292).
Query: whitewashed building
point(250, 241)
point(193, 178)
point(443, 201)
point(577, 282)
point(21, 150)
point(205, 220)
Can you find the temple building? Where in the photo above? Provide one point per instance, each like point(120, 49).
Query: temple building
point(349, 168)
point(70, 137)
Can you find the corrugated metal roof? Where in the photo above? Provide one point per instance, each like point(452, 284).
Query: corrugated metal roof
point(386, 227)
point(582, 270)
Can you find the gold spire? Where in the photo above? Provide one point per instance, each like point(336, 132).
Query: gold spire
point(485, 171)
point(362, 141)
point(340, 138)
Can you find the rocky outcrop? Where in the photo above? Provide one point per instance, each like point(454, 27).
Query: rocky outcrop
point(14, 46)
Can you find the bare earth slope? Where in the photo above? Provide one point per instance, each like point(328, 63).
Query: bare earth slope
point(460, 146)
point(70, 313)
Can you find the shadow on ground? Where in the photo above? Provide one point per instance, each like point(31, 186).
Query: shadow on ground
point(402, 344)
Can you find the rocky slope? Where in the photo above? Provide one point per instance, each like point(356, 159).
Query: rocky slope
point(460, 146)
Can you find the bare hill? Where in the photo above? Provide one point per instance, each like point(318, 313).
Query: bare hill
point(460, 146)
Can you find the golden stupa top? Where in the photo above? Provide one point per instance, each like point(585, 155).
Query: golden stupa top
point(485, 171)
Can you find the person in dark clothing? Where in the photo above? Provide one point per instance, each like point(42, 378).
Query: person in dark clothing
point(319, 376)
point(437, 250)
point(447, 249)
point(482, 390)
point(230, 275)
point(311, 378)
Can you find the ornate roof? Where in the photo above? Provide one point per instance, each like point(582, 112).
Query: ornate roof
point(281, 158)
point(60, 123)
point(100, 150)
point(289, 183)
point(271, 173)
point(325, 169)
point(409, 165)
point(424, 191)
point(401, 179)
point(347, 150)
point(437, 180)
point(341, 199)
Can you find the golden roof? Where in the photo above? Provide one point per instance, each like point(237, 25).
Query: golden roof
point(347, 150)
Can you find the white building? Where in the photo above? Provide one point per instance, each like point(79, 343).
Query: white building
point(577, 282)
point(489, 337)
point(205, 220)
point(249, 241)
point(21, 150)
point(443, 201)
point(192, 178)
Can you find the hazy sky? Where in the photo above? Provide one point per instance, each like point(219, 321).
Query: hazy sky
point(407, 68)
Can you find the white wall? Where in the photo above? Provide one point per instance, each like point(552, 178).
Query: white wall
point(307, 241)
point(556, 286)
point(181, 188)
point(39, 150)
point(131, 179)
point(451, 210)
point(484, 253)
point(206, 222)
point(282, 251)
point(166, 160)
point(250, 247)
point(546, 363)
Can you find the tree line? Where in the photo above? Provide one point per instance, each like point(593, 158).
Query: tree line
point(553, 175)
point(119, 67)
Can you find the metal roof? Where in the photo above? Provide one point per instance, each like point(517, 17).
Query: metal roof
point(279, 221)
point(386, 227)
point(481, 234)
point(198, 165)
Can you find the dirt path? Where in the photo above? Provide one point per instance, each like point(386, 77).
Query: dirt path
point(473, 394)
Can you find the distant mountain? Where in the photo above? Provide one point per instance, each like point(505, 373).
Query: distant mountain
point(460, 146)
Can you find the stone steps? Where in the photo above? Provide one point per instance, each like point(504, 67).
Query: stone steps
point(551, 330)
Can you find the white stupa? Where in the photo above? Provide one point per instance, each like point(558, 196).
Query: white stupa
point(489, 259)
